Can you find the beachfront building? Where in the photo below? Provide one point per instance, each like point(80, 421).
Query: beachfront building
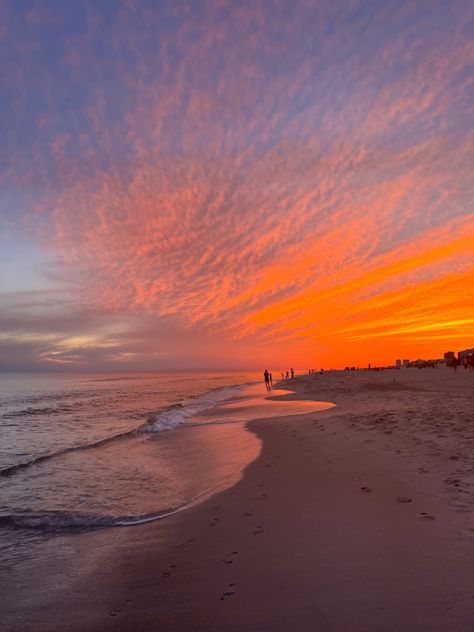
point(449, 356)
point(462, 355)
point(417, 363)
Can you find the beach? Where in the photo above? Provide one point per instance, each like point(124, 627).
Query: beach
point(198, 198)
point(354, 518)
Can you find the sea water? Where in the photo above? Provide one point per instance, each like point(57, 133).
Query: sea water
point(82, 451)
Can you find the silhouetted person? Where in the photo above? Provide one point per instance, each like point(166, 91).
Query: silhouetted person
point(271, 379)
point(266, 376)
point(287, 375)
point(453, 363)
point(292, 373)
point(282, 374)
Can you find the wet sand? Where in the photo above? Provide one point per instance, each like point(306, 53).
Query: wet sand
point(356, 518)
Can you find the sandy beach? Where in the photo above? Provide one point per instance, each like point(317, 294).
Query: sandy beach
point(198, 198)
point(357, 518)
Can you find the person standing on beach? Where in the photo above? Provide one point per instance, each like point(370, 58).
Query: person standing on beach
point(271, 379)
point(266, 376)
point(292, 373)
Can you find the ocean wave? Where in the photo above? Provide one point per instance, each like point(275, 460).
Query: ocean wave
point(175, 416)
point(31, 411)
point(171, 418)
point(14, 469)
point(58, 520)
point(52, 520)
point(35, 401)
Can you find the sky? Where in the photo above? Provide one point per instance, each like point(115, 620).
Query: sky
point(222, 184)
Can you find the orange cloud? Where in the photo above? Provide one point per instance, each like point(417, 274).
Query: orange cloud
point(286, 177)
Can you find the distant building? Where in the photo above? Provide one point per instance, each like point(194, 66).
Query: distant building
point(462, 355)
point(398, 363)
point(417, 363)
point(406, 362)
point(449, 356)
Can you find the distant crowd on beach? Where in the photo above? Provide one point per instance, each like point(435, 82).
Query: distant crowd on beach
point(268, 377)
point(465, 359)
point(467, 362)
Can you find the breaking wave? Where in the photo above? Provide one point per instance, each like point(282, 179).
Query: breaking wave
point(171, 418)
point(58, 520)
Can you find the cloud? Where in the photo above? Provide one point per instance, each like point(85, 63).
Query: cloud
point(249, 175)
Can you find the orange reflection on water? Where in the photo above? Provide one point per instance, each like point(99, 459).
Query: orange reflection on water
point(253, 403)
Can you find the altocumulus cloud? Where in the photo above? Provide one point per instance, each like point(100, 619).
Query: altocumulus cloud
point(251, 177)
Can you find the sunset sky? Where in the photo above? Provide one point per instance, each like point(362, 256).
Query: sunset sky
point(235, 184)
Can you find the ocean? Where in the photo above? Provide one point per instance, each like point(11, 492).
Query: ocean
point(83, 451)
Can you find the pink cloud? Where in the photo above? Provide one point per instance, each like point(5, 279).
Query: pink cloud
point(253, 190)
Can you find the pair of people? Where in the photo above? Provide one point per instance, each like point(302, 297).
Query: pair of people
point(268, 377)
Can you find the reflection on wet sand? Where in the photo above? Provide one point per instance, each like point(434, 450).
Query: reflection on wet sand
point(254, 403)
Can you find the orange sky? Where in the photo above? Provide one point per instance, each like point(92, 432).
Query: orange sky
point(238, 186)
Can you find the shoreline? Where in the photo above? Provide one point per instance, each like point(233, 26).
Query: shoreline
point(332, 527)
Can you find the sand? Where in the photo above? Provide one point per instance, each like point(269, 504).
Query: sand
point(356, 518)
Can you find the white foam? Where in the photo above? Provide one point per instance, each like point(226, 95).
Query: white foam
point(175, 416)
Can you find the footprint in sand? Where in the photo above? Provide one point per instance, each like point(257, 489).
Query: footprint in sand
point(228, 560)
point(185, 545)
point(404, 499)
point(258, 531)
point(213, 522)
point(115, 612)
point(367, 490)
point(452, 481)
point(247, 514)
point(227, 595)
point(165, 574)
point(424, 516)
